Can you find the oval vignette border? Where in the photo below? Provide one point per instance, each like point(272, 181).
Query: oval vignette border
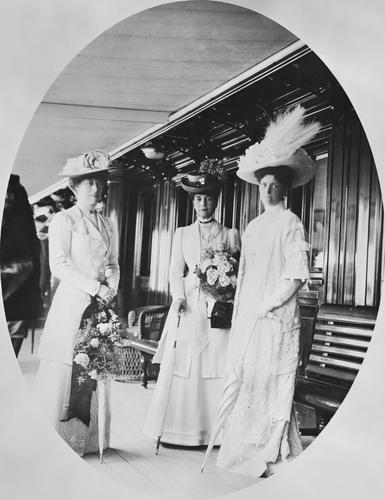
point(344, 435)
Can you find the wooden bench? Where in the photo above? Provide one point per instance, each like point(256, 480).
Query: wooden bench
point(145, 331)
point(341, 338)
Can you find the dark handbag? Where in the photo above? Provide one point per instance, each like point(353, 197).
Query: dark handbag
point(221, 315)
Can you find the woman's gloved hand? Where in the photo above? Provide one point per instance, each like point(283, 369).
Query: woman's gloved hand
point(106, 294)
point(178, 306)
point(263, 311)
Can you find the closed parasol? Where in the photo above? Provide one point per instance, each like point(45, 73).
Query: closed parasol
point(102, 404)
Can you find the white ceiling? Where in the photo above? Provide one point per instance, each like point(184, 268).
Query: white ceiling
point(136, 74)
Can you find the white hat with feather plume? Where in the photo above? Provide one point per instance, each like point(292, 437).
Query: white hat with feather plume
point(281, 146)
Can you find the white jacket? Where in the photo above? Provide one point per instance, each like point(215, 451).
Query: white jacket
point(195, 337)
point(81, 256)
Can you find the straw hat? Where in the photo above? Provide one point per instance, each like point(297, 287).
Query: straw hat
point(86, 164)
point(281, 146)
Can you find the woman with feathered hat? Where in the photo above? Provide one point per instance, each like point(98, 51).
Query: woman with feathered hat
point(83, 255)
point(257, 406)
point(192, 355)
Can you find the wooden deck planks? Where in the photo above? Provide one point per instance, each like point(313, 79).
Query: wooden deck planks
point(174, 474)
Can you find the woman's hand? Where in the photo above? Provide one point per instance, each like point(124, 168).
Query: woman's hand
point(178, 306)
point(106, 293)
point(264, 311)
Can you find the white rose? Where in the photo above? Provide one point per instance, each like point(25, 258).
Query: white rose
point(218, 259)
point(94, 342)
point(233, 280)
point(82, 359)
point(224, 267)
point(205, 265)
point(212, 276)
point(93, 374)
point(224, 281)
point(103, 328)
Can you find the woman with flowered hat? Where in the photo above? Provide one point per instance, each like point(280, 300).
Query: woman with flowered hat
point(83, 255)
point(185, 403)
point(256, 413)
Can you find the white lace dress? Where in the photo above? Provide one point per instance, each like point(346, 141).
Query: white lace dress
point(263, 354)
point(198, 365)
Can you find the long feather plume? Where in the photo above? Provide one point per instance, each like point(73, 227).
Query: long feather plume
point(288, 132)
point(283, 137)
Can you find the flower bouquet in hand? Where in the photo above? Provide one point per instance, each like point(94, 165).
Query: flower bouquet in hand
point(94, 358)
point(217, 273)
point(94, 351)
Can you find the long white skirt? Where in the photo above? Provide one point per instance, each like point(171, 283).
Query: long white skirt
point(191, 410)
point(261, 428)
point(52, 391)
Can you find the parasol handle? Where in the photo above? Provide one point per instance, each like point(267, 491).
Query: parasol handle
point(160, 436)
point(177, 325)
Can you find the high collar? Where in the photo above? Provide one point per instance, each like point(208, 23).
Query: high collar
point(200, 220)
point(275, 208)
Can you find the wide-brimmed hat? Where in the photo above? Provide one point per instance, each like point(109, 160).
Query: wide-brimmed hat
point(91, 163)
point(201, 183)
point(281, 146)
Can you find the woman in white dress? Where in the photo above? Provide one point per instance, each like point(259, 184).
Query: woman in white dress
point(260, 427)
point(83, 254)
point(191, 394)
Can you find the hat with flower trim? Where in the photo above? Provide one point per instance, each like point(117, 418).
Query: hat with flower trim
point(86, 164)
point(200, 183)
point(207, 179)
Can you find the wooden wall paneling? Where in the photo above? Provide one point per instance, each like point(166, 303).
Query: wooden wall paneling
point(306, 213)
point(375, 240)
point(166, 219)
point(352, 212)
point(344, 253)
point(326, 271)
point(181, 202)
point(121, 207)
point(167, 231)
point(245, 204)
point(184, 208)
point(219, 211)
point(236, 215)
point(254, 199)
point(138, 239)
point(155, 245)
point(361, 262)
point(295, 201)
point(336, 172)
point(228, 201)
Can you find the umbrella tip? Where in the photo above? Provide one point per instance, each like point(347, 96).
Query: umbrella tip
point(157, 445)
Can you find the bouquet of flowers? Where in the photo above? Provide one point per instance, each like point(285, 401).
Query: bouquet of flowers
point(94, 349)
point(217, 273)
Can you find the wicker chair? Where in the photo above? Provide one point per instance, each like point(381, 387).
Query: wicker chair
point(145, 326)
